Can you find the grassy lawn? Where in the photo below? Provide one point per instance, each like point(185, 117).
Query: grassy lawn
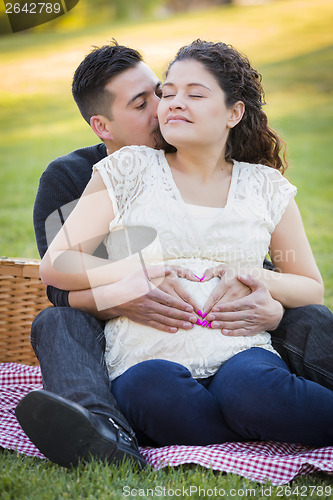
point(41, 480)
point(291, 42)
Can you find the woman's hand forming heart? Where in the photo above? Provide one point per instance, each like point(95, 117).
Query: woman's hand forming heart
point(228, 289)
point(240, 305)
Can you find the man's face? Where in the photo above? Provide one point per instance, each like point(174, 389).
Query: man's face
point(134, 120)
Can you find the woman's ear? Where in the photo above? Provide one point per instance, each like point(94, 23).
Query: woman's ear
point(236, 114)
point(101, 126)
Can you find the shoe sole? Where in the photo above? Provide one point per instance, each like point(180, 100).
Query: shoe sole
point(65, 436)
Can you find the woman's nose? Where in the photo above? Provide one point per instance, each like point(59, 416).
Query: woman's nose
point(176, 103)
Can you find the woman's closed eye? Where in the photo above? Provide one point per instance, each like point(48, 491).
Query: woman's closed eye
point(190, 95)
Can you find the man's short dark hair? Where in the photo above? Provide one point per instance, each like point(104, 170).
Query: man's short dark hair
point(95, 72)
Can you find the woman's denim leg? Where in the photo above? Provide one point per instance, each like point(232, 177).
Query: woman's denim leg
point(262, 400)
point(166, 406)
point(252, 397)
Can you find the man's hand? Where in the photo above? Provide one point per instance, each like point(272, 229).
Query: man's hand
point(248, 315)
point(166, 308)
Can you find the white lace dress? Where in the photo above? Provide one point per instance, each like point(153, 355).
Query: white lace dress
point(141, 186)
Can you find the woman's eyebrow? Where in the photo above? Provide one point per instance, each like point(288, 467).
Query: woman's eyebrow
point(194, 84)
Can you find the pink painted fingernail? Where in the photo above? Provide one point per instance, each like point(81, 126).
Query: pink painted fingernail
point(199, 322)
point(203, 278)
point(197, 277)
point(204, 315)
point(204, 323)
point(199, 312)
point(209, 325)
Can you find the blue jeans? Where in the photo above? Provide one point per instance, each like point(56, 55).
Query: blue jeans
point(253, 396)
point(69, 345)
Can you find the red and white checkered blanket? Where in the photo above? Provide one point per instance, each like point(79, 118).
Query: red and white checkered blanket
point(261, 462)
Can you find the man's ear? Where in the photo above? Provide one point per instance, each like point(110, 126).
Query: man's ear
point(237, 112)
point(101, 126)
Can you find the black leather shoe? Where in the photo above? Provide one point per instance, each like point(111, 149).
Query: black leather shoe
point(65, 432)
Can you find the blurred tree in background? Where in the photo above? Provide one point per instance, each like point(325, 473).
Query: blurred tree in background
point(93, 12)
point(183, 5)
point(123, 9)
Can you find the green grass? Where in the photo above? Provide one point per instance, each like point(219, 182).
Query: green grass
point(300, 105)
point(33, 479)
point(291, 42)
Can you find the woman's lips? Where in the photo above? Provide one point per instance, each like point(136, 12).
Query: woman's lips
point(177, 118)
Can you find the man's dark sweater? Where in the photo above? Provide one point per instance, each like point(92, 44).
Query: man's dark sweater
point(63, 181)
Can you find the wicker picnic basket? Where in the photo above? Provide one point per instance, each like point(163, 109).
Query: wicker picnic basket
point(22, 297)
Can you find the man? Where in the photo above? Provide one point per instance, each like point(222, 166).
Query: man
point(76, 417)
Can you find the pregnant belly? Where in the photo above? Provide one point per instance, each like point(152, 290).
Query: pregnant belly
point(201, 350)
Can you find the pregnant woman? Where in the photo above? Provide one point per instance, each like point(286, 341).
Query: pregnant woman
point(199, 386)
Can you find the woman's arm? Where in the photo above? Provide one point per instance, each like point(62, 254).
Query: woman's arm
point(68, 263)
point(298, 281)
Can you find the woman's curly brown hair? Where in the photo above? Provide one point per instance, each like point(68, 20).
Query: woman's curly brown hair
point(251, 140)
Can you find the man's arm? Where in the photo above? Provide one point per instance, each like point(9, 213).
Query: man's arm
point(61, 184)
point(166, 308)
